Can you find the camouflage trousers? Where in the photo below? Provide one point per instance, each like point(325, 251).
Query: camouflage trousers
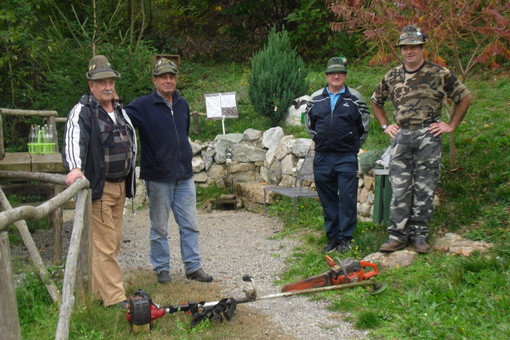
point(414, 173)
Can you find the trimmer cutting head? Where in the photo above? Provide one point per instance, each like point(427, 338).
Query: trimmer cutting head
point(378, 288)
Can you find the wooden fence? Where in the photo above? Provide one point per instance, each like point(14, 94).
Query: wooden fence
point(77, 268)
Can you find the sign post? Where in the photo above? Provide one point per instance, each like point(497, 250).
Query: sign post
point(221, 106)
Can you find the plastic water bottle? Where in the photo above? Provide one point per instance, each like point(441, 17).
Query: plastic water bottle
point(53, 133)
point(47, 134)
point(37, 134)
point(32, 137)
point(50, 139)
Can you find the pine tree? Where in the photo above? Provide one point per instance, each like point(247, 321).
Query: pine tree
point(277, 77)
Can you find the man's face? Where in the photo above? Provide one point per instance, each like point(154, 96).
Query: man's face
point(165, 83)
point(412, 54)
point(336, 81)
point(103, 90)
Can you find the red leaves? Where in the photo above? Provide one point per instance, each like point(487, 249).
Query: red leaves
point(489, 53)
point(381, 58)
point(449, 24)
point(440, 61)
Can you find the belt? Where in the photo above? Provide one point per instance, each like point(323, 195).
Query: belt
point(414, 127)
point(115, 180)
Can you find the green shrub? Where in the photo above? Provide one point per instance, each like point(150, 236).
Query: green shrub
point(310, 32)
point(278, 76)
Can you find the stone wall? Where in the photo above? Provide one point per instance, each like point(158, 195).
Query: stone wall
point(251, 160)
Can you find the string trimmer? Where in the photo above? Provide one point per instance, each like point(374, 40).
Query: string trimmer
point(142, 311)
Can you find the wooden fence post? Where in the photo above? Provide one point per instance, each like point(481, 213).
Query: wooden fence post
point(83, 284)
point(56, 219)
point(2, 149)
point(68, 285)
point(196, 126)
point(9, 325)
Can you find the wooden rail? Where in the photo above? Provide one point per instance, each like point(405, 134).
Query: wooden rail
point(79, 249)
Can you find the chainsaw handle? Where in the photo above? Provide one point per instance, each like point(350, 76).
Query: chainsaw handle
point(371, 273)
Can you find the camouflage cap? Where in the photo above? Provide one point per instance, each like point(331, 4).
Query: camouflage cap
point(411, 35)
point(336, 64)
point(163, 66)
point(100, 68)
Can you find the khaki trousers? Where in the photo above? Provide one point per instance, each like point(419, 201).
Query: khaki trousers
point(107, 216)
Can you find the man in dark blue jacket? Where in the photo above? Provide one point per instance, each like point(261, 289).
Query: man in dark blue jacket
point(338, 120)
point(163, 122)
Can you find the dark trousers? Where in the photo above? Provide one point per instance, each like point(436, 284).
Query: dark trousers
point(336, 179)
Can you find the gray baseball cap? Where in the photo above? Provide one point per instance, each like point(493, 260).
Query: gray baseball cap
point(100, 68)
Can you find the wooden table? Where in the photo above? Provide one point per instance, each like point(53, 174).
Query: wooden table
point(24, 161)
point(48, 163)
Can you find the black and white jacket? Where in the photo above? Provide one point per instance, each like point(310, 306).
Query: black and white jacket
point(82, 147)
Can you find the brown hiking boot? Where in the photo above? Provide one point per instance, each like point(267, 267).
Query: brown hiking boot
point(420, 245)
point(392, 245)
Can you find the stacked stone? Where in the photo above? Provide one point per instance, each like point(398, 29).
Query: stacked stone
point(258, 159)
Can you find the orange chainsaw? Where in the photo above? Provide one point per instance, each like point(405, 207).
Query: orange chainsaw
point(341, 272)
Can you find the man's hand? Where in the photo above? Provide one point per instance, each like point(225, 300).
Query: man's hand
point(391, 130)
point(73, 175)
point(439, 128)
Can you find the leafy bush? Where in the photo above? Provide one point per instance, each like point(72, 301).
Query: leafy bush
point(310, 32)
point(278, 76)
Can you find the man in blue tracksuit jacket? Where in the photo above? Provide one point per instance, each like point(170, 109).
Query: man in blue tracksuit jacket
point(163, 121)
point(337, 120)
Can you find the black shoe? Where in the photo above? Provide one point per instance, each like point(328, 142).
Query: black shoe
point(344, 246)
point(120, 305)
point(392, 245)
point(164, 277)
point(332, 245)
point(199, 275)
point(420, 245)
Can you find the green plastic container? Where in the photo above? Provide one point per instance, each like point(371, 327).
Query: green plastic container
point(41, 148)
point(382, 197)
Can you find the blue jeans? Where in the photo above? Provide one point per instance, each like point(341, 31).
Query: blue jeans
point(180, 196)
point(336, 179)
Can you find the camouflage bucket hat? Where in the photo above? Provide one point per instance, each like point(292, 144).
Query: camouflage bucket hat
point(336, 64)
point(411, 35)
point(100, 68)
point(163, 66)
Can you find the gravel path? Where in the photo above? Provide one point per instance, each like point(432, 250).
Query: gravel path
point(234, 243)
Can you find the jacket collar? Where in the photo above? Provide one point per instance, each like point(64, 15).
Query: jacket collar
point(346, 93)
point(157, 98)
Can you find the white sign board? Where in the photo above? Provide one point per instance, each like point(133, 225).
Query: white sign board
point(221, 105)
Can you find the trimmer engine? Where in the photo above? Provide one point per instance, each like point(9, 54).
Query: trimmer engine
point(142, 312)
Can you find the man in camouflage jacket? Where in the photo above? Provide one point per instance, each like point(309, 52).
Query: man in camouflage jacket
point(417, 89)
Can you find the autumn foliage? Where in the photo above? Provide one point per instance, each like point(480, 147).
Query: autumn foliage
point(469, 31)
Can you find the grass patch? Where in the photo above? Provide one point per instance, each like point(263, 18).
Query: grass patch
point(92, 321)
